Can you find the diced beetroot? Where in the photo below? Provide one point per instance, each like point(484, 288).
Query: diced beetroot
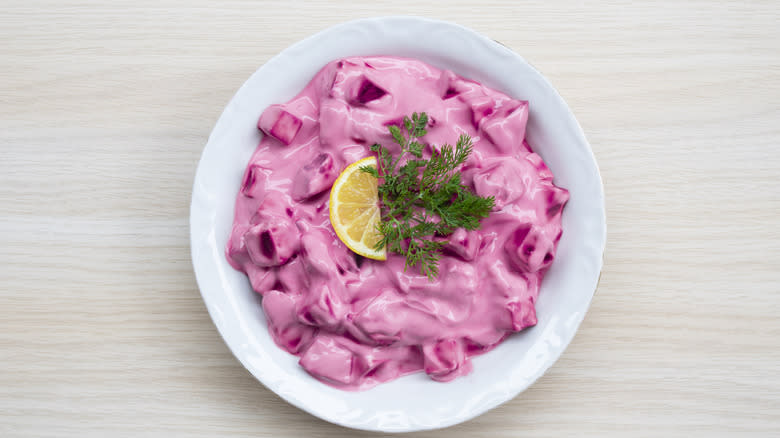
point(529, 250)
point(382, 319)
point(523, 314)
point(285, 329)
point(473, 347)
point(449, 92)
point(444, 360)
point(327, 77)
point(235, 250)
point(343, 78)
point(521, 233)
point(449, 85)
point(481, 105)
point(273, 238)
point(277, 122)
point(464, 243)
point(445, 85)
point(363, 125)
point(316, 249)
point(555, 198)
point(315, 177)
point(507, 132)
point(366, 92)
point(323, 308)
point(526, 146)
point(429, 297)
point(343, 257)
point(541, 167)
point(292, 277)
point(335, 122)
point(255, 180)
point(286, 127)
point(306, 109)
point(271, 242)
point(332, 361)
point(323, 255)
point(261, 279)
point(379, 368)
point(480, 109)
point(498, 175)
point(395, 121)
point(506, 281)
point(275, 203)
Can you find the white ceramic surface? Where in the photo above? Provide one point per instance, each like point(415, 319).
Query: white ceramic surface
point(413, 402)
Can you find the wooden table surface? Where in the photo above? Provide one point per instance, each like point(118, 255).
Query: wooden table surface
point(105, 108)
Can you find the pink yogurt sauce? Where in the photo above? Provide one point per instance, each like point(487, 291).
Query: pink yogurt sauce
point(356, 322)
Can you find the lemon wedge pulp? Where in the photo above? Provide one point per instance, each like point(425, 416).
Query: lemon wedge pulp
point(354, 209)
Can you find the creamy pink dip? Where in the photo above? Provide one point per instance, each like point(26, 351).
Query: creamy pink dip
point(357, 322)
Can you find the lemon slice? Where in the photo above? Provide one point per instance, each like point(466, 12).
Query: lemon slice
point(354, 209)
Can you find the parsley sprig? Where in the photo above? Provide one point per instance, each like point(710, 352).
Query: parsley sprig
point(423, 198)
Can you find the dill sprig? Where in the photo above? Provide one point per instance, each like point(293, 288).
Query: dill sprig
point(423, 198)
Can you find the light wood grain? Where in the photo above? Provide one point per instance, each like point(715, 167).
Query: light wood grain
point(104, 111)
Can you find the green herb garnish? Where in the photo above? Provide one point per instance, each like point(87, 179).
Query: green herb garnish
point(423, 198)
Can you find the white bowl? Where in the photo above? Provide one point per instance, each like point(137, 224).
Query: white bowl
point(412, 402)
